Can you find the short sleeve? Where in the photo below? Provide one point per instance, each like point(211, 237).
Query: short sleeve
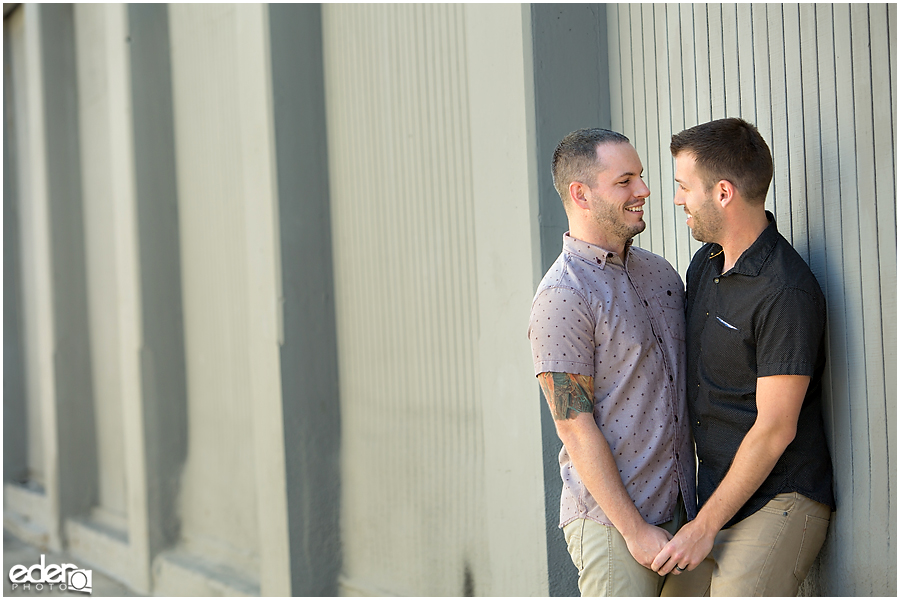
point(561, 331)
point(789, 334)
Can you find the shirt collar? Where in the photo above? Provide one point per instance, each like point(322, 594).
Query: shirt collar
point(752, 260)
point(590, 252)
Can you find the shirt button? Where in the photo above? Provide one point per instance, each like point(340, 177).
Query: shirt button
point(716, 280)
point(701, 460)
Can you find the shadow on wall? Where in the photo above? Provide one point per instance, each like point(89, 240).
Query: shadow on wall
point(311, 399)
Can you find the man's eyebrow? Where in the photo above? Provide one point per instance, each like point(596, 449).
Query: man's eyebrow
point(629, 174)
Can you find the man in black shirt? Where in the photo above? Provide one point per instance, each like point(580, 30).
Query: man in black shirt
point(755, 345)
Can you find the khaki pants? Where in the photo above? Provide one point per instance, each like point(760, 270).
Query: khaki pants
point(605, 566)
point(766, 554)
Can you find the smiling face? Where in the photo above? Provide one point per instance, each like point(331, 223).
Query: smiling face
point(617, 194)
point(691, 192)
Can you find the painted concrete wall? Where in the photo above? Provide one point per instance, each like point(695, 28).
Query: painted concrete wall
point(205, 95)
point(291, 250)
point(167, 393)
point(500, 57)
point(820, 83)
point(439, 425)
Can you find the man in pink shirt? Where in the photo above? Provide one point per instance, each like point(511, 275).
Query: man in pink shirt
point(607, 335)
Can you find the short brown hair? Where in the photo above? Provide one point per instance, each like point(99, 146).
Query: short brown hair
point(730, 149)
point(576, 155)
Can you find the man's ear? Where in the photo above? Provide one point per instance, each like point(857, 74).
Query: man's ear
point(576, 194)
point(725, 192)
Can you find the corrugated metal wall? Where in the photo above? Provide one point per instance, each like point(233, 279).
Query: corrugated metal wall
point(820, 83)
point(406, 303)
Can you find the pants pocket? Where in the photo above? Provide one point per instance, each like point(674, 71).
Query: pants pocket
point(814, 532)
point(782, 505)
point(574, 532)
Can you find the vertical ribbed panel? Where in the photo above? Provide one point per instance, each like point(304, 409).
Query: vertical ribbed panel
point(404, 248)
point(218, 503)
point(93, 105)
point(819, 81)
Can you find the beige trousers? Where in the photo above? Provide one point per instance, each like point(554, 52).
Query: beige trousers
point(767, 554)
point(605, 566)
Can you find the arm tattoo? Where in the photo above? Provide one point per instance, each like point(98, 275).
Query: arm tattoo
point(567, 394)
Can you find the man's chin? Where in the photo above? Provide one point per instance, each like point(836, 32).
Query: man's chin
point(699, 236)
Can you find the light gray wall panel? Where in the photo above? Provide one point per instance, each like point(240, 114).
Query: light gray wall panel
point(701, 53)
point(684, 81)
point(100, 256)
point(219, 514)
point(820, 83)
point(664, 168)
point(502, 130)
point(653, 56)
point(405, 293)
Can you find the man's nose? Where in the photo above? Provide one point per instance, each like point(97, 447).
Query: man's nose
point(643, 191)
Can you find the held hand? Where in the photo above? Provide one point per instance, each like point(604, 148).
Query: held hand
point(646, 544)
point(690, 546)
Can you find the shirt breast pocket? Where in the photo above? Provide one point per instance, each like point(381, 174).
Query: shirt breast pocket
point(728, 353)
point(671, 307)
point(728, 326)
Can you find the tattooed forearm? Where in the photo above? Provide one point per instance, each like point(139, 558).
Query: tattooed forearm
point(567, 394)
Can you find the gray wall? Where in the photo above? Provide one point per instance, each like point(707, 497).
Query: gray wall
point(820, 83)
point(283, 258)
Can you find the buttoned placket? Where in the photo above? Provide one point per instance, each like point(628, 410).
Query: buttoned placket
point(671, 397)
point(714, 305)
